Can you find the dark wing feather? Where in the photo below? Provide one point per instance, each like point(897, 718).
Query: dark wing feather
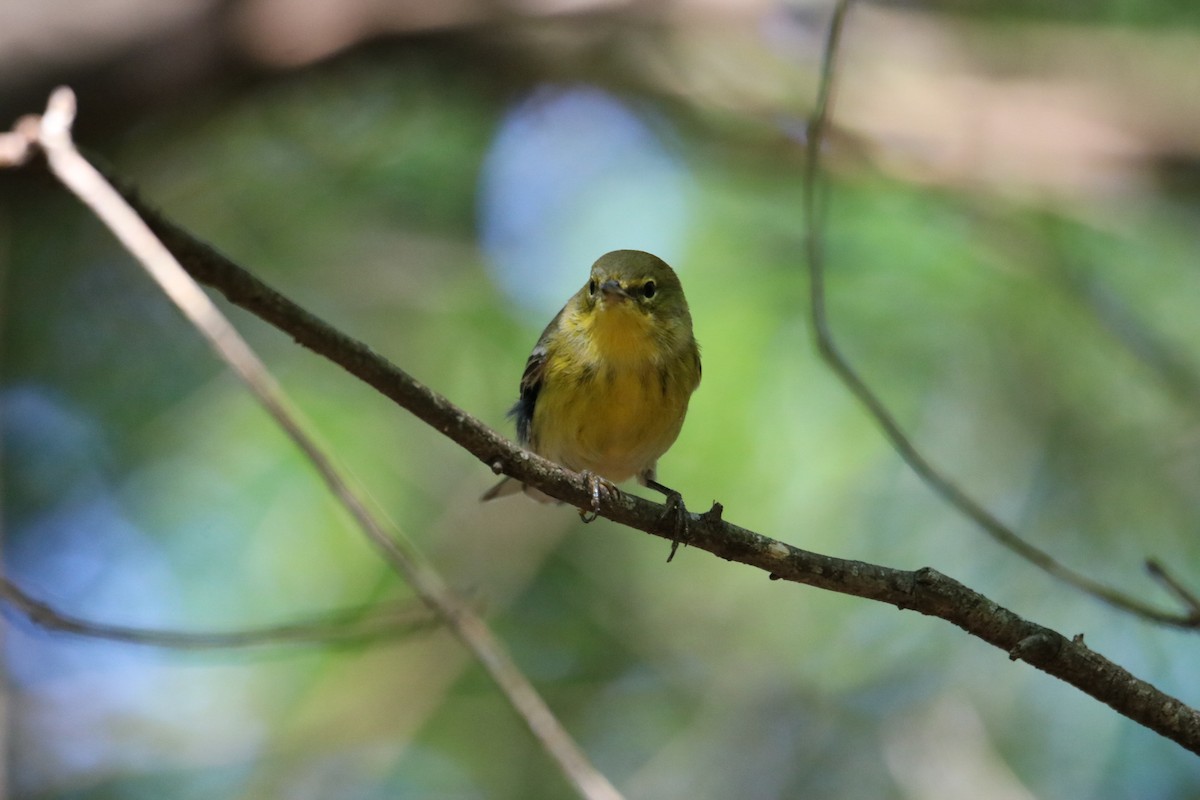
point(531, 384)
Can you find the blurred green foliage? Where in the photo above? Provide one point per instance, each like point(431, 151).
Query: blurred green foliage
point(352, 188)
point(1151, 13)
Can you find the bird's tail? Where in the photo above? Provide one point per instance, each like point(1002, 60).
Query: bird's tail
point(509, 486)
point(504, 488)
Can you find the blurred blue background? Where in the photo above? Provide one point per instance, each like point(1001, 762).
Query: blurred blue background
point(1013, 233)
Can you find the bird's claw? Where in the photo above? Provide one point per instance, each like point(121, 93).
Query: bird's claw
point(674, 506)
point(600, 487)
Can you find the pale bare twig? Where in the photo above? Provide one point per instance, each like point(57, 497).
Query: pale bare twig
point(78, 175)
point(938, 481)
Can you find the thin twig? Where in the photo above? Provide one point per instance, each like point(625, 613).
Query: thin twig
point(90, 186)
point(1181, 592)
point(341, 628)
point(947, 489)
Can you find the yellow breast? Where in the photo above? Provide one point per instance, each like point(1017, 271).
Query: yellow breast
point(613, 397)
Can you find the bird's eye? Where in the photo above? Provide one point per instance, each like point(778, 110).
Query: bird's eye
point(592, 286)
point(648, 289)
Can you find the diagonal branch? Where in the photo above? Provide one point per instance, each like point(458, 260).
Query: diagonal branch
point(934, 478)
point(925, 590)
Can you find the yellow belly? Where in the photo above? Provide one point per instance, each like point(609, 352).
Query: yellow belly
point(614, 392)
point(615, 422)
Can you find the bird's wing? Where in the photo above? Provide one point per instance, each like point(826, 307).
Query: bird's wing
point(531, 383)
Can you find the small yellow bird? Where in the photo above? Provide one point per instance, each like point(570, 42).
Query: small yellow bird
point(606, 388)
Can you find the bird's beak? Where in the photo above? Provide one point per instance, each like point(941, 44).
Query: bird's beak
point(613, 290)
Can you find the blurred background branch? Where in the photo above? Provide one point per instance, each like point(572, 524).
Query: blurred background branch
point(350, 626)
point(935, 478)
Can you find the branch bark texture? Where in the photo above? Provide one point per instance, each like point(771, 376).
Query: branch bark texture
point(925, 590)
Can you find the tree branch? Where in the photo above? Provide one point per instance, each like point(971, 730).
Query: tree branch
point(934, 478)
point(344, 627)
point(925, 590)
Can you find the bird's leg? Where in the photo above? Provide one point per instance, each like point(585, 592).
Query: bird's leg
point(674, 506)
point(601, 487)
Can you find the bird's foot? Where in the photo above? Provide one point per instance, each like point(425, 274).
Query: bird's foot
point(600, 487)
point(673, 506)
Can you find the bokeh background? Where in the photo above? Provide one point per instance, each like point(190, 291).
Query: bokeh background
point(1013, 233)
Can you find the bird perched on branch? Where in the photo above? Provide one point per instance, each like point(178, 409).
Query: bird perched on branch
point(607, 385)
